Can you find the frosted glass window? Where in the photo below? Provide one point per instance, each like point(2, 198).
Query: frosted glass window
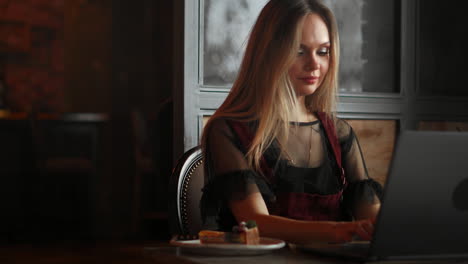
point(369, 44)
point(227, 24)
point(368, 31)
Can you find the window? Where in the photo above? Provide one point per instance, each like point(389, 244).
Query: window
point(369, 32)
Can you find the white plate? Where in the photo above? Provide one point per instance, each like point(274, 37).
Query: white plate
point(195, 247)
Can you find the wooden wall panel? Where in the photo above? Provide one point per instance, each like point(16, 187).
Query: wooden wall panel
point(377, 140)
point(443, 126)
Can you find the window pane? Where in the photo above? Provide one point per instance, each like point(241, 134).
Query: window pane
point(369, 39)
point(368, 31)
point(227, 25)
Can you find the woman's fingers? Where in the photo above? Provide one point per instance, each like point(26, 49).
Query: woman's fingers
point(347, 231)
point(364, 229)
point(363, 232)
point(342, 232)
point(369, 226)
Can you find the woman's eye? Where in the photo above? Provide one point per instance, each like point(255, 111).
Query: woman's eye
point(323, 52)
point(300, 52)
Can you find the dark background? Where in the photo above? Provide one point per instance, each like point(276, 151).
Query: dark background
point(86, 56)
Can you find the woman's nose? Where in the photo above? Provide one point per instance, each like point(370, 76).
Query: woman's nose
point(312, 64)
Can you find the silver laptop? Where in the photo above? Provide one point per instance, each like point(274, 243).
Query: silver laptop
point(424, 212)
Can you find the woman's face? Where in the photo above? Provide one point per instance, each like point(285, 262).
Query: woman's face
point(312, 60)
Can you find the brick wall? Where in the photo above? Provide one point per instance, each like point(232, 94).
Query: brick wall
point(31, 54)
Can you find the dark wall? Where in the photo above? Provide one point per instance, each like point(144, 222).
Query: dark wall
point(442, 48)
point(117, 59)
point(88, 47)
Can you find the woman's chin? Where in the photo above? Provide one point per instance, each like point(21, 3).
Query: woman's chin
point(305, 91)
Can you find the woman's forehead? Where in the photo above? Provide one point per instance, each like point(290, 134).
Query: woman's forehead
point(314, 30)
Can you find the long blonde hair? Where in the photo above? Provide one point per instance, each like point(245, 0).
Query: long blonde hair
point(262, 91)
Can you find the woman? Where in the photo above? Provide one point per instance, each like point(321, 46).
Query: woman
point(274, 150)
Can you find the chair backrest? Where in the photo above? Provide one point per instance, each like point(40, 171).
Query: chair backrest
point(186, 185)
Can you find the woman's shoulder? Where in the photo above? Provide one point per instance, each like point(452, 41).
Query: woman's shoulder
point(227, 124)
point(343, 128)
point(217, 126)
point(219, 122)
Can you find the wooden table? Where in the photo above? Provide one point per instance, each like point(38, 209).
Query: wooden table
point(150, 252)
point(281, 256)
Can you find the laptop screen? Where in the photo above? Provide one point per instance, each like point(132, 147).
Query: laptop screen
point(425, 206)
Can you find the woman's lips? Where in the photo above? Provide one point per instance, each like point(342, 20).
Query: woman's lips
point(309, 80)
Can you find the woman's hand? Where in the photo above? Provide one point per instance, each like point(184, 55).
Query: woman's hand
point(347, 231)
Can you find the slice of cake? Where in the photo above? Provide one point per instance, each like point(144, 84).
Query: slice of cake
point(245, 233)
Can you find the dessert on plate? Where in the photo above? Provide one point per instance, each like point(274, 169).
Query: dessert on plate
point(244, 233)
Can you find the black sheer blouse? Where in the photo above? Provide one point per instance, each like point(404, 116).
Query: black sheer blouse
point(306, 165)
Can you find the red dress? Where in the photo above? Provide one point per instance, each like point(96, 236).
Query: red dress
point(303, 206)
point(321, 194)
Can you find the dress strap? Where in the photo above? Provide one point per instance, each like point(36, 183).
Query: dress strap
point(330, 131)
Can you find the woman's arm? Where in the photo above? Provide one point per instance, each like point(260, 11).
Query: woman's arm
point(253, 207)
point(367, 211)
point(246, 202)
point(362, 195)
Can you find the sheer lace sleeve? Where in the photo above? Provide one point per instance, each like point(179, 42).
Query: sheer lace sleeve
point(228, 176)
point(224, 150)
point(362, 190)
